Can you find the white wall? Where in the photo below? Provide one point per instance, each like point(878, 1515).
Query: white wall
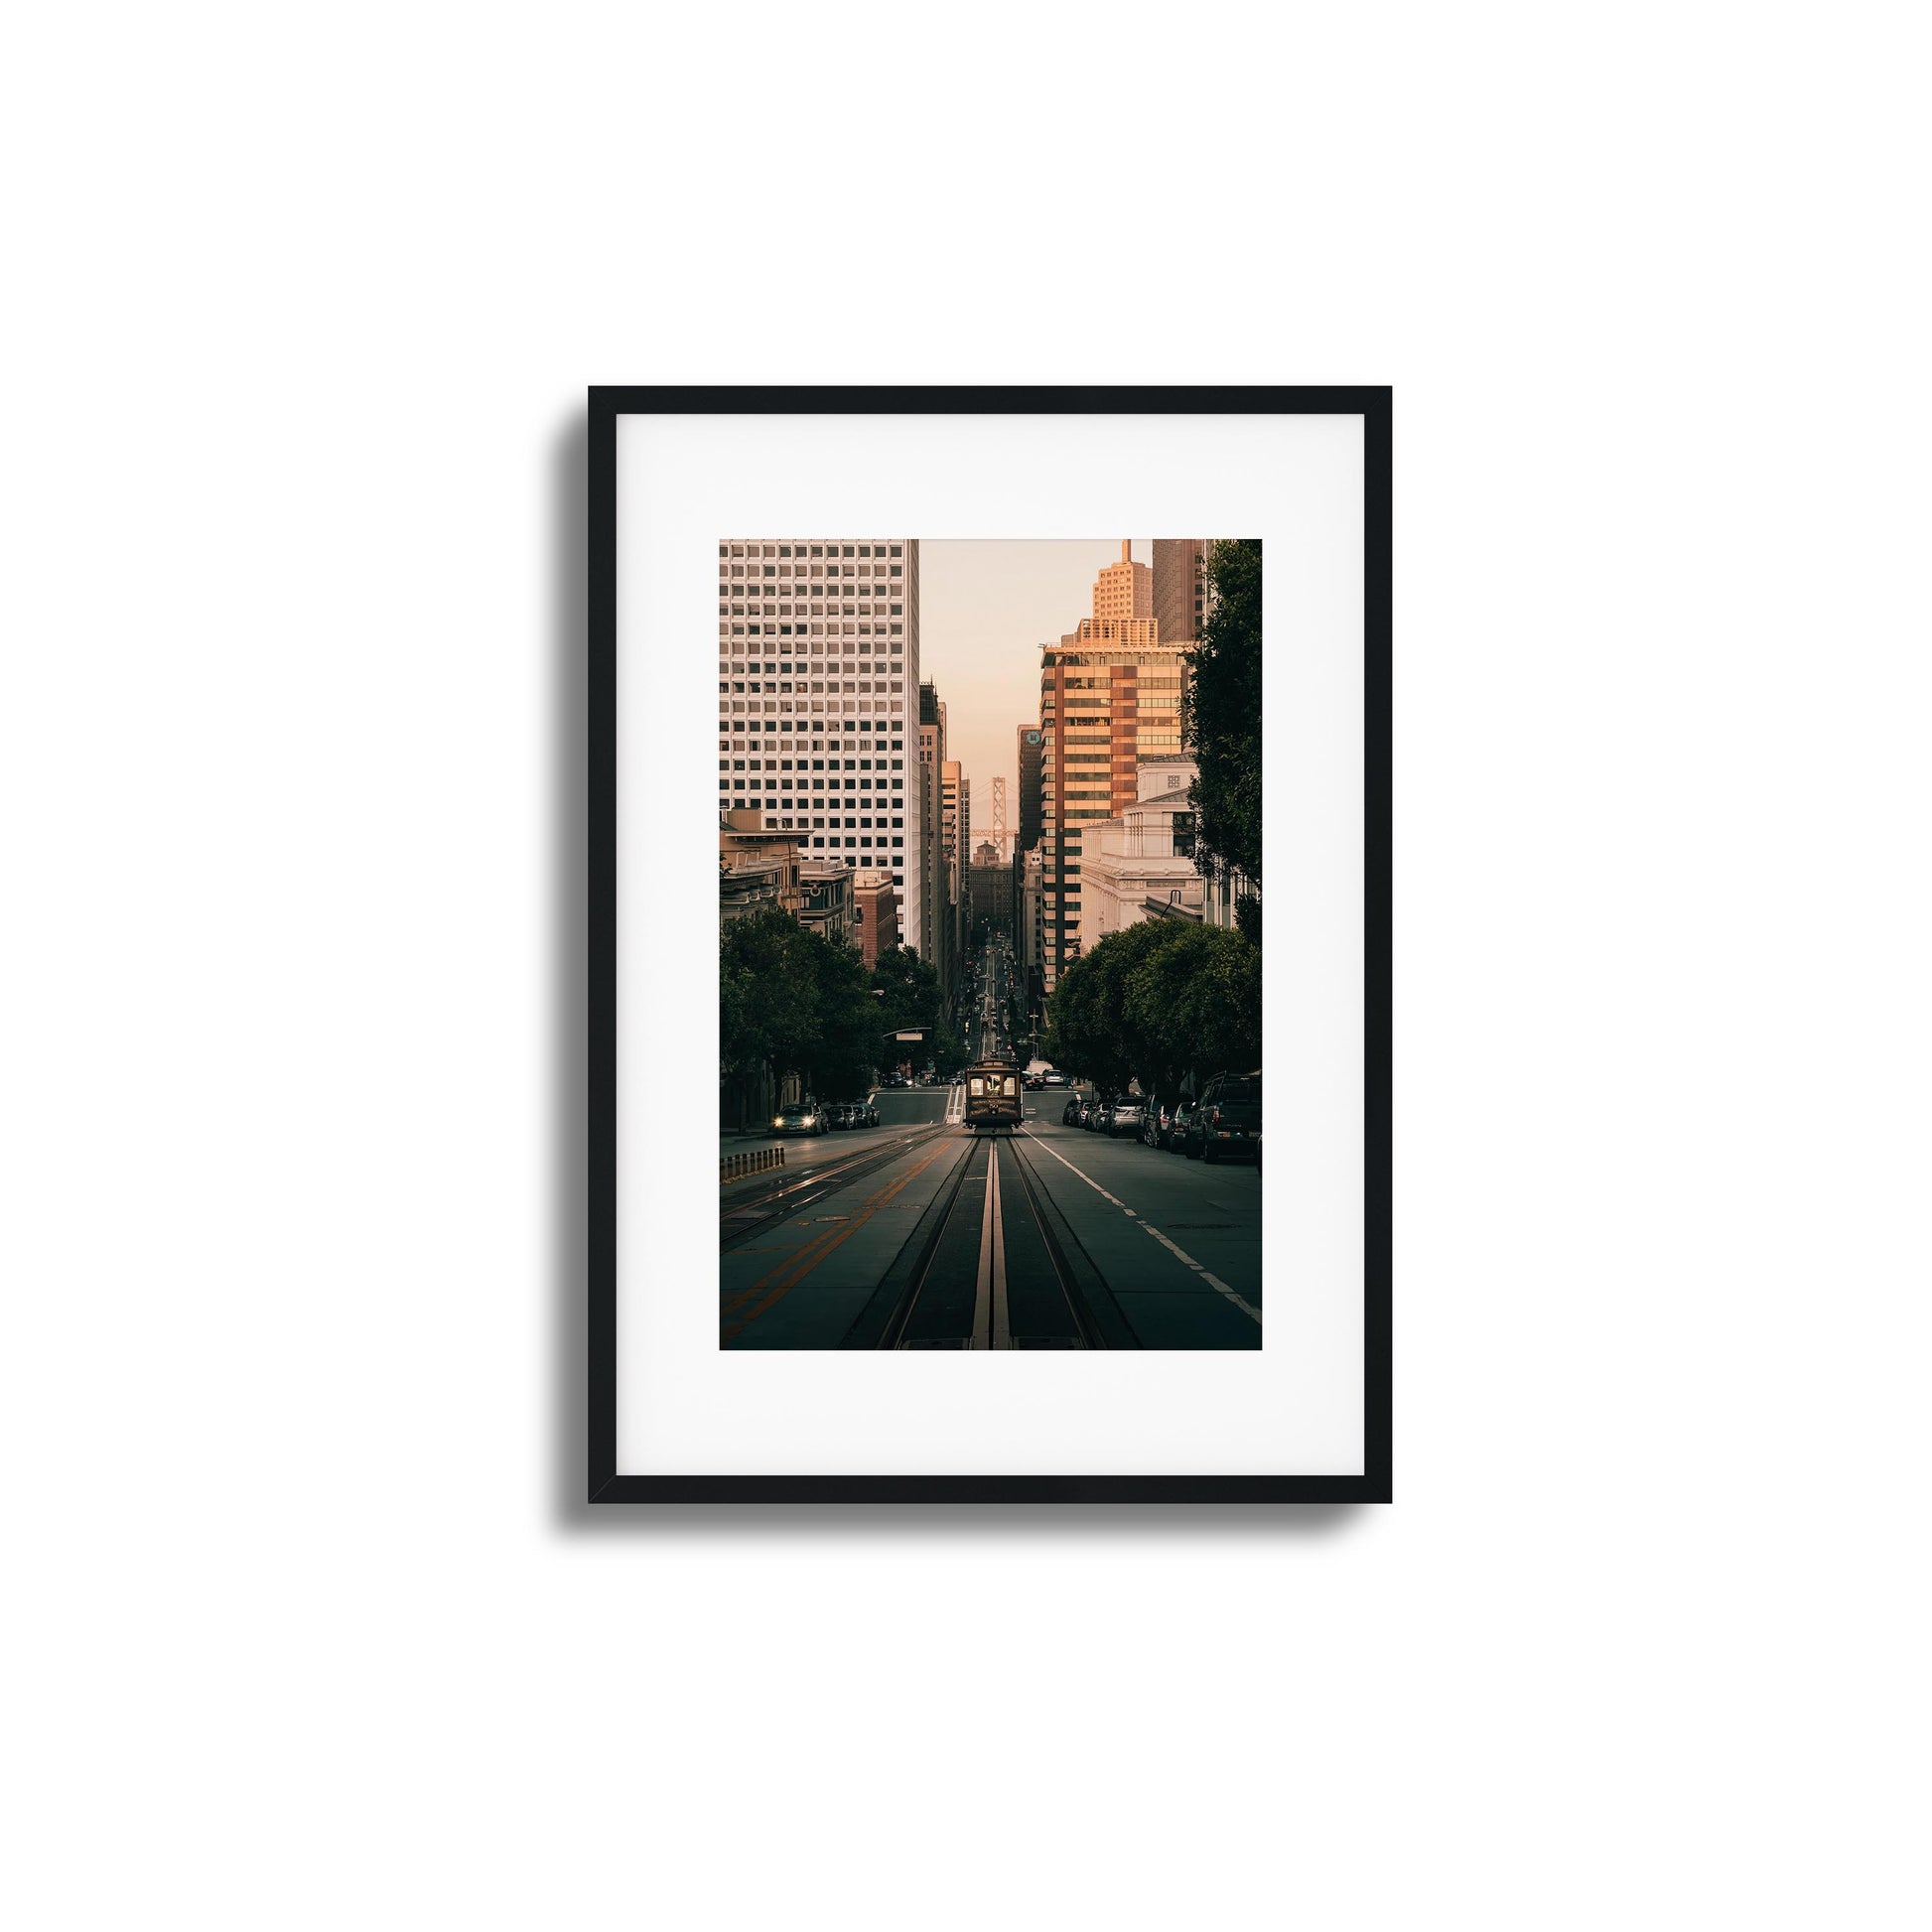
point(304, 1627)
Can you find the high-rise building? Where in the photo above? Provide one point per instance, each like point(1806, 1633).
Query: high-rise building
point(1109, 695)
point(1032, 917)
point(1125, 588)
point(1028, 835)
point(934, 922)
point(964, 926)
point(818, 680)
point(952, 851)
point(1179, 588)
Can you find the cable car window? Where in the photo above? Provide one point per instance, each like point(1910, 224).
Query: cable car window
point(979, 1086)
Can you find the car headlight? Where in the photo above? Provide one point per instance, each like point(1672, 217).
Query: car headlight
point(779, 1122)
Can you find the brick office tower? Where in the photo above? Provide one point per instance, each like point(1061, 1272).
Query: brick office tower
point(1178, 587)
point(875, 913)
point(818, 693)
point(1109, 695)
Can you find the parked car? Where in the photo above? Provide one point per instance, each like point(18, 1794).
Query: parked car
point(803, 1118)
point(1125, 1118)
point(1093, 1116)
point(1153, 1119)
point(1052, 1077)
point(1226, 1126)
point(868, 1113)
point(1070, 1114)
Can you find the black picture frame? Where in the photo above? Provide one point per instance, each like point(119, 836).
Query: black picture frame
point(605, 1484)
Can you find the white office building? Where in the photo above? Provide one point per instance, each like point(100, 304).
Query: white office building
point(1134, 869)
point(818, 698)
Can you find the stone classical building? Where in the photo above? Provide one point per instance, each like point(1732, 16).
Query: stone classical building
point(1140, 866)
point(1224, 893)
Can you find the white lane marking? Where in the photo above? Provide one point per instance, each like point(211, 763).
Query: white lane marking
point(1213, 1280)
point(1088, 1178)
point(1179, 1254)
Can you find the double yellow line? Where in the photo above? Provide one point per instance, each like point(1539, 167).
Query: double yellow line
point(736, 1313)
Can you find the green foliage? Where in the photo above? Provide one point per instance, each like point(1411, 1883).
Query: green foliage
point(768, 989)
point(1163, 1003)
point(909, 989)
point(1220, 715)
point(909, 997)
point(849, 1047)
point(950, 1052)
point(1193, 1007)
point(792, 1002)
point(1085, 1030)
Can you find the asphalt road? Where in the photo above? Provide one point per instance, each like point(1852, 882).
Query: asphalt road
point(916, 1234)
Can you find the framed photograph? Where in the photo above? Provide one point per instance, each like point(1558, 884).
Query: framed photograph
point(961, 926)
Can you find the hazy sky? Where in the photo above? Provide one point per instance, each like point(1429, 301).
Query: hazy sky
point(985, 610)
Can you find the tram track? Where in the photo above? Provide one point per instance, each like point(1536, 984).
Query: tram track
point(992, 1265)
point(1090, 1303)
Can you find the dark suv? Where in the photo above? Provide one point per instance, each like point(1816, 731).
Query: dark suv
point(1226, 1126)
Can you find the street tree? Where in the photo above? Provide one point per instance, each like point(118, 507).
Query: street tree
point(1193, 1005)
point(1220, 721)
point(1087, 1025)
point(768, 978)
point(1164, 1003)
point(841, 1061)
point(910, 1000)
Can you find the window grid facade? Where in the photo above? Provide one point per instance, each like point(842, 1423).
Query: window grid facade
point(818, 678)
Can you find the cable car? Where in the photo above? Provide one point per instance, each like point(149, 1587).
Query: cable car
point(992, 1095)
